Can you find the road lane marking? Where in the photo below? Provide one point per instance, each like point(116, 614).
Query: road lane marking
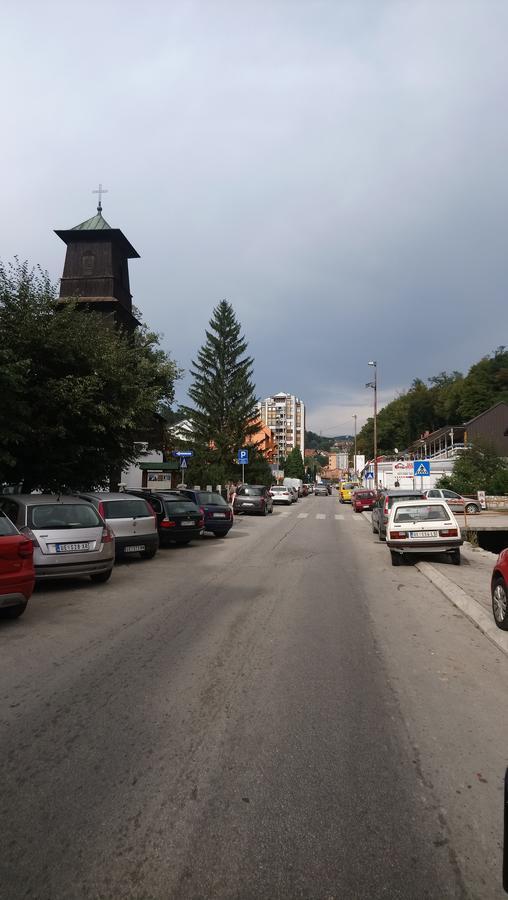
point(302, 515)
point(284, 514)
point(357, 518)
point(320, 516)
point(339, 518)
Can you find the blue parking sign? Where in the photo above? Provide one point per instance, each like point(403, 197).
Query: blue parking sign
point(243, 457)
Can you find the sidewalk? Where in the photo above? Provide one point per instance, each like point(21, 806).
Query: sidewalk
point(467, 586)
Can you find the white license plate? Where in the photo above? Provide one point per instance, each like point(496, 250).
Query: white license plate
point(72, 548)
point(247, 504)
point(219, 515)
point(423, 534)
point(187, 522)
point(134, 549)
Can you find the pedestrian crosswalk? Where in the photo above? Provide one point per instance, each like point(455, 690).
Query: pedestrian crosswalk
point(339, 517)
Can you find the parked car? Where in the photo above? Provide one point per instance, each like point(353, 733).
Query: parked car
point(455, 501)
point(281, 494)
point(321, 490)
point(362, 498)
point(17, 573)
point(179, 520)
point(383, 504)
point(422, 526)
point(499, 591)
point(346, 491)
point(253, 498)
point(216, 513)
point(69, 536)
point(294, 493)
point(131, 519)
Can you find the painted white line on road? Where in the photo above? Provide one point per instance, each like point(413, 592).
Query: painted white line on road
point(320, 516)
point(357, 518)
point(284, 514)
point(339, 518)
point(302, 515)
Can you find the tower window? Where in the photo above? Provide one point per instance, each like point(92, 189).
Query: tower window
point(87, 263)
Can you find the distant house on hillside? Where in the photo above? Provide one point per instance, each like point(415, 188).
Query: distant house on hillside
point(491, 427)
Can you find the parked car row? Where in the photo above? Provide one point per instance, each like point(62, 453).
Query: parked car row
point(413, 522)
point(46, 536)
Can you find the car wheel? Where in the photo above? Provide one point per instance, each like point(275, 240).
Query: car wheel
point(455, 555)
point(13, 612)
point(148, 554)
point(472, 509)
point(101, 577)
point(396, 558)
point(500, 603)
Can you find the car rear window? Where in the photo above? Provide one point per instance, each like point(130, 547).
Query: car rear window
point(126, 509)
point(279, 490)
point(178, 507)
point(365, 495)
point(348, 487)
point(6, 526)
point(64, 515)
point(401, 497)
point(423, 513)
point(205, 497)
point(250, 491)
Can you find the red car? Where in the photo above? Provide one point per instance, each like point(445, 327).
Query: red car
point(499, 590)
point(363, 499)
point(17, 574)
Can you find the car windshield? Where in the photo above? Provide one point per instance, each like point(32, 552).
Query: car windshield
point(179, 507)
point(6, 526)
point(126, 509)
point(250, 491)
point(211, 497)
point(421, 513)
point(64, 515)
point(348, 487)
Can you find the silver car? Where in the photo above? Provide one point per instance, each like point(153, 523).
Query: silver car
point(69, 536)
point(132, 521)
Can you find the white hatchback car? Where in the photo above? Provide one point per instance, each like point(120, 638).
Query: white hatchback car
point(422, 526)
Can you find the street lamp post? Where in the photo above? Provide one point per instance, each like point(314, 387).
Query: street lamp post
point(373, 384)
point(354, 458)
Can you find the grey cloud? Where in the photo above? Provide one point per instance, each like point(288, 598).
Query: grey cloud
point(336, 170)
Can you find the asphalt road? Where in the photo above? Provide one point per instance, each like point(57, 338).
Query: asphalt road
point(279, 714)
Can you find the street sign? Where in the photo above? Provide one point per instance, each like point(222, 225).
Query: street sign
point(421, 467)
point(243, 457)
point(369, 475)
point(183, 464)
point(183, 453)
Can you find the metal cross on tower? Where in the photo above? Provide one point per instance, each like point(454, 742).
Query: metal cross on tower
point(100, 192)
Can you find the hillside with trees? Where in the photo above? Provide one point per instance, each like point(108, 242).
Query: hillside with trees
point(444, 399)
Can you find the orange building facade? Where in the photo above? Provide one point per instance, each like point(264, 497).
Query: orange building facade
point(263, 438)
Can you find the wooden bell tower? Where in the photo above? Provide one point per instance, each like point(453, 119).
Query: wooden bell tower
point(96, 269)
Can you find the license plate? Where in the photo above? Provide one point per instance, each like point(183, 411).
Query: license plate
point(134, 549)
point(426, 534)
point(72, 548)
point(247, 504)
point(219, 515)
point(188, 522)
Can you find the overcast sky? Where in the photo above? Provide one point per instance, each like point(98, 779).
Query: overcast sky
point(337, 170)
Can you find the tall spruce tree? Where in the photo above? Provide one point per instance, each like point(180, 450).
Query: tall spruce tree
point(294, 467)
point(222, 390)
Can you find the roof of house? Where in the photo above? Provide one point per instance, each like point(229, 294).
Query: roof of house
point(485, 411)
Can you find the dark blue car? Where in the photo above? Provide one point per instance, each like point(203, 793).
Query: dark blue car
point(217, 514)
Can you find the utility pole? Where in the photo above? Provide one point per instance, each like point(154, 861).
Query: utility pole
point(373, 384)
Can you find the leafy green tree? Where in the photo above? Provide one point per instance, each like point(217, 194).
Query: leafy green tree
point(485, 384)
point(76, 394)
point(478, 469)
point(294, 464)
point(225, 410)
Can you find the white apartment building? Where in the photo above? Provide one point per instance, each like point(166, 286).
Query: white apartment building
point(285, 415)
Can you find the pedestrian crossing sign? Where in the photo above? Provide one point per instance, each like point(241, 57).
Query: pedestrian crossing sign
point(421, 467)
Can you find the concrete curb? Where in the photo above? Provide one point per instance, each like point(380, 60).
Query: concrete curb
point(469, 607)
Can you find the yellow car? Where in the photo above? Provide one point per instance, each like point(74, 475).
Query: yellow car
point(345, 491)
